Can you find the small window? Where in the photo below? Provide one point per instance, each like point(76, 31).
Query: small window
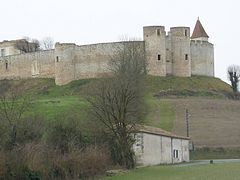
point(6, 65)
point(57, 59)
point(2, 52)
point(158, 32)
point(175, 153)
point(186, 32)
point(186, 56)
point(159, 57)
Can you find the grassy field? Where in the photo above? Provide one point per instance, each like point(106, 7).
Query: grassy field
point(201, 85)
point(217, 153)
point(160, 113)
point(226, 171)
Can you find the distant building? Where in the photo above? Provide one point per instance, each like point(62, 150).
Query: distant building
point(156, 146)
point(16, 47)
point(174, 53)
point(8, 48)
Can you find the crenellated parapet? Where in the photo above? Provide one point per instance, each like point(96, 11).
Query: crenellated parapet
point(173, 53)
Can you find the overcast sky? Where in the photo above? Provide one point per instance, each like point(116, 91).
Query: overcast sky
point(94, 21)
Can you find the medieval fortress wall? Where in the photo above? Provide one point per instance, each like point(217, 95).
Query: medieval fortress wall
point(78, 62)
point(37, 64)
point(173, 53)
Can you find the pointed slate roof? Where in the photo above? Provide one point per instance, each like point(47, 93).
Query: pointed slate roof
point(199, 31)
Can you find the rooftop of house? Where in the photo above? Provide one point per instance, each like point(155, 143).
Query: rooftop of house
point(159, 131)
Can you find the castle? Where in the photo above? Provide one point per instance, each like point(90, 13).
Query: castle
point(173, 53)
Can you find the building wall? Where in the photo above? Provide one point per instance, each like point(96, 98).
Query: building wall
point(8, 48)
point(182, 147)
point(151, 149)
point(38, 64)
point(202, 53)
point(88, 61)
point(166, 150)
point(155, 49)
point(180, 44)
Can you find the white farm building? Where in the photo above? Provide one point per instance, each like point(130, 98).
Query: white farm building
point(156, 146)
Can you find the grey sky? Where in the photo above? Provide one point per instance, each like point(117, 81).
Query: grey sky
point(94, 21)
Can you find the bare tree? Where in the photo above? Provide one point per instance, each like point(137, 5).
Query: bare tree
point(27, 45)
point(12, 107)
point(118, 101)
point(233, 76)
point(34, 45)
point(47, 43)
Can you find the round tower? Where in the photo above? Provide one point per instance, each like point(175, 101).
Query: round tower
point(181, 56)
point(155, 49)
point(202, 52)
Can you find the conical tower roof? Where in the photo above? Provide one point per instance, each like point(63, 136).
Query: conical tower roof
point(199, 31)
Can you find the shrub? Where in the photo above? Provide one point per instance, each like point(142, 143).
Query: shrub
point(18, 164)
point(3, 169)
point(27, 130)
point(30, 130)
point(81, 164)
point(64, 135)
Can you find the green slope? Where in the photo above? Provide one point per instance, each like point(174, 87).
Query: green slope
point(50, 100)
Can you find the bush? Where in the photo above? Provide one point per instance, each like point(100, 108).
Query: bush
point(18, 163)
point(26, 130)
point(64, 135)
point(30, 130)
point(3, 169)
point(81, 164)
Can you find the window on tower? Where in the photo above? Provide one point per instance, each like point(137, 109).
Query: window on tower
point(159, 57)
point(186, 56)
point(186, 33)
point(2, 52)
point(158, 32)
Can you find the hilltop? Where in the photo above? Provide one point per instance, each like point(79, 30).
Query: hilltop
point(214, 119)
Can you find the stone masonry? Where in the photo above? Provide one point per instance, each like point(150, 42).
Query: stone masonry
point(173, 53)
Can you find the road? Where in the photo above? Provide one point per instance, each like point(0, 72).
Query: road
point(215, 161)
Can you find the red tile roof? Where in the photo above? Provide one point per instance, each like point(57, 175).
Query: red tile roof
point(199, 31)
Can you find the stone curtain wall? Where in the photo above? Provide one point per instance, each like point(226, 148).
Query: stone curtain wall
point(172, 54)
point(38, 64)
point(74, 62)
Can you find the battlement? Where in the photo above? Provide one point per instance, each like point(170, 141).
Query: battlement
point(180, 31)
point(174, 54)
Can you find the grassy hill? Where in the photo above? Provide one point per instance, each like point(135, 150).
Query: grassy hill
point(214, 119)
